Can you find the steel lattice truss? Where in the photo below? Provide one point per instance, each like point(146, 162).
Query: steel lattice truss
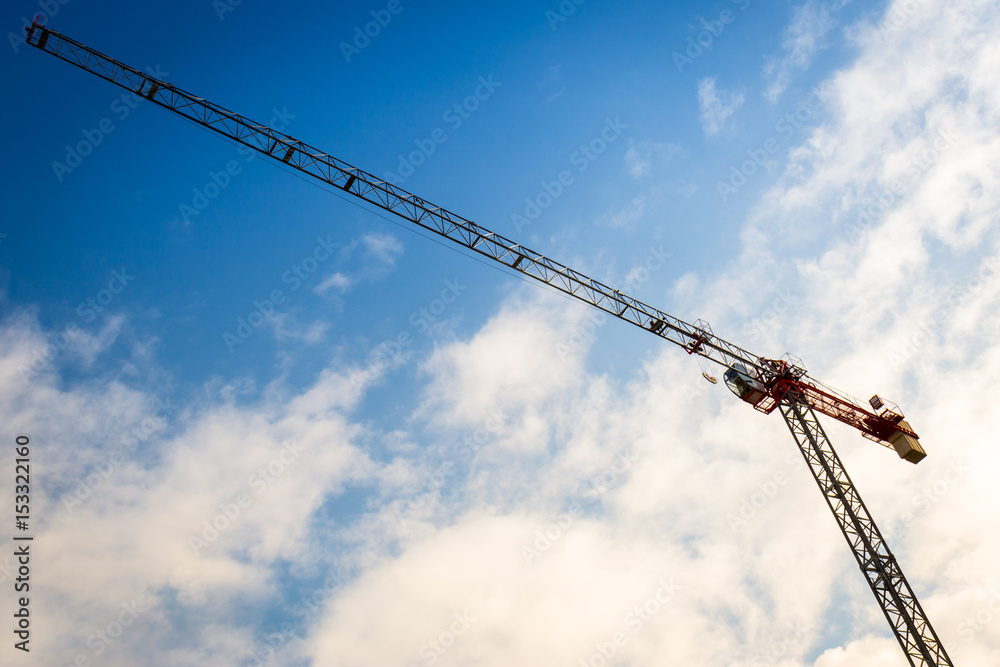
point(694, 338)
point(388, 197)
point(788, 386)
point(902, 610)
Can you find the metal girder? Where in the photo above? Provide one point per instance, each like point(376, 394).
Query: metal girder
point(906, 617)
point(882, 572)
point(388, 197)
point(832, 403)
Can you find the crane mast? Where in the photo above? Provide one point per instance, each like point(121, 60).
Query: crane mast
point(767, 384)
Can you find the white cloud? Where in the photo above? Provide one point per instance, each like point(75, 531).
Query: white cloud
point(703, 458)
point(497, 608)
point(335, 281)
point(640, 157)
point(642, 160)
point(647, 202)
point(86, 347)
point(617, 500)
point(386, 248)
point(472, 379)
point(803, 37)
point(672, 479)
point(716, 106)
point(870, 652)
point(886, 298)
point(124, 503)
point(625, 217)
point(687, 189)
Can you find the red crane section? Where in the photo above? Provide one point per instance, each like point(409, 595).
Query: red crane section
point(883, 422)
point(767, 384)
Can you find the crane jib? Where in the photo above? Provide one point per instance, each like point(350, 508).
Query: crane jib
point(766, 383)
point(314, 162)
point(374, 190)
point(323, 167)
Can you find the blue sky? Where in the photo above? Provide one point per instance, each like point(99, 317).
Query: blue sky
point(814, 177)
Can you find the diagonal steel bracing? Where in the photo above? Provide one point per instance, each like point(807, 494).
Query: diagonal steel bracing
point(350, 179)
point(891, 590)
point(900, 606)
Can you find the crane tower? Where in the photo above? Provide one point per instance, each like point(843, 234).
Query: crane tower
point(766, 384)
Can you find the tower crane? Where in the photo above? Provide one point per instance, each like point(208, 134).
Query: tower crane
point(766, 384)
